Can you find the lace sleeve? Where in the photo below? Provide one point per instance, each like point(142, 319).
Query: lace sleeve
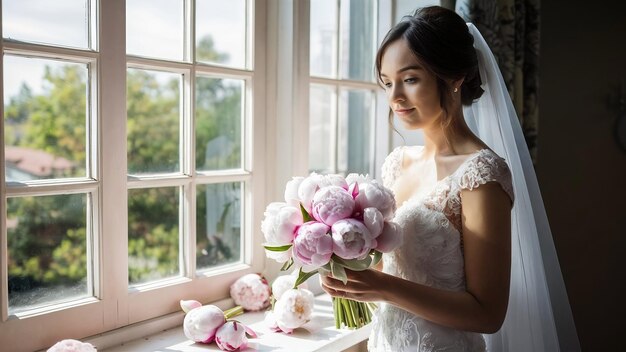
point(391, 167)
point(487, 167)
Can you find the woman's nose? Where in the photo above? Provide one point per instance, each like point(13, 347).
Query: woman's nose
point(396, 94)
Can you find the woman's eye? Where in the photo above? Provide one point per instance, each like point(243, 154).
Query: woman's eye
point(387, 85)
point(410, 80)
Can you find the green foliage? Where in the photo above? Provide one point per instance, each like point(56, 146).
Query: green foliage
point(47, 245)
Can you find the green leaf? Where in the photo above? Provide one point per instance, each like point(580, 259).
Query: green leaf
point(278, 248)
point(353, 264)
point(303, 276)
point(338, 272)
point(377, 257)
point(287, 265)
point(305, 215)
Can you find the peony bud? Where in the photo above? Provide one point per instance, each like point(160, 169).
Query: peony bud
point(231, 336)
point(70, 345)
point(201, 323)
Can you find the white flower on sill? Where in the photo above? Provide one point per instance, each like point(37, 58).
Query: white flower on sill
point(285, 282)
point(232, 336)
point(201, 323)
point(70, 345)
point(293, 309)
point(251, 291)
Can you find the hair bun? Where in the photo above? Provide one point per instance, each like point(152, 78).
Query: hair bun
point(470, 89)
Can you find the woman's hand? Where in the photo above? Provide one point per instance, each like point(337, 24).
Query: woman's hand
point(364, 286)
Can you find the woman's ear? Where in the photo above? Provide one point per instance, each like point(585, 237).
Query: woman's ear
point(457, 83)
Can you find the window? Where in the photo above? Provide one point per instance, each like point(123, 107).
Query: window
point(343, 90)
point(129, 168)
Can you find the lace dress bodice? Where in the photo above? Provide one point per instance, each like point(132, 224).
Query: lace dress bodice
point(432, 253)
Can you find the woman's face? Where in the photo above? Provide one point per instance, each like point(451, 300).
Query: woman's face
point(411, 89)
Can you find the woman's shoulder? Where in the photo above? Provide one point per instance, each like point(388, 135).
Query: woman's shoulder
point(486, 166)
point(391, 166)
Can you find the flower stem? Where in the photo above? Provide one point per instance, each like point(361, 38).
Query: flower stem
point(233, 312)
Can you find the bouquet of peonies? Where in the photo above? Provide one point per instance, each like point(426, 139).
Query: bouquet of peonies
point(329, 223)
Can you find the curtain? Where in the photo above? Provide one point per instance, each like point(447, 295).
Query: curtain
point(511, 28)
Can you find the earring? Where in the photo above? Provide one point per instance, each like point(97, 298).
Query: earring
point(456, 89)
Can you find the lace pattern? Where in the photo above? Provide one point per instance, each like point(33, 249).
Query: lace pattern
point(432, 254)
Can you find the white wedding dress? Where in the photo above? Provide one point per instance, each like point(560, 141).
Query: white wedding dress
point(432, 254)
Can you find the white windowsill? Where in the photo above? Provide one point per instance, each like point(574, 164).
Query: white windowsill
point(319, 334)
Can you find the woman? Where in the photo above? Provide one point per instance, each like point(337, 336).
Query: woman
point(449, 282)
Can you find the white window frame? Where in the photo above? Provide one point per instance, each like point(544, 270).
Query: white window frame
point(380, 131)
point(114, 305)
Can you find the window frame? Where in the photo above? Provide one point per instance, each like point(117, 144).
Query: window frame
point(114, 305)
point(380, 130)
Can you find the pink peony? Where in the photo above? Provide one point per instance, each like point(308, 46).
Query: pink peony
point(310, 185)
point(375, 195)
point(188, 305)
point(251, 291)
point(332, 203)
point(279, 227)
point(70, 345)
point(313, 245)
point(231, 336)
point(390, 239)
point(351, 239)
point(201, 323)
point(373, 220)
point(358, 178)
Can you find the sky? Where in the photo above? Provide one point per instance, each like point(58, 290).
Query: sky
point(150, 24)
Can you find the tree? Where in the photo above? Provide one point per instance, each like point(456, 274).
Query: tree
point(47, 247)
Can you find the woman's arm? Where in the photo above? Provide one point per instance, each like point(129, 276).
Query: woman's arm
point(486, 218)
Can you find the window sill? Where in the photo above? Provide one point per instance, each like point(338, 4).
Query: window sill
point(319, 334)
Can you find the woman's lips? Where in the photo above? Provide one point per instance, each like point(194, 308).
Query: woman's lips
point(402, 112)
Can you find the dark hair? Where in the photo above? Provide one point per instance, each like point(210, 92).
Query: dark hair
point(441, 41)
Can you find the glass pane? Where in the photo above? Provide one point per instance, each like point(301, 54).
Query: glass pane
point(45, 118)
point(153, 128)
point(321, 131)
point(59, 22)
point(218, 224)
point(155, 28)
point(358, 36)
point(221, 32)
point(219, 112)
point(153, 234)
point(323, 38)
point(355, 131)
point(407, 7)
point(47, 250)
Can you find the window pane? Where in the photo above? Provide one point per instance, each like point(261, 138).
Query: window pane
point(358, 38)
point(59, 22)
point(45, 122)
point(221, 32)
point(218, 224)
point(355, 131)
point(153, 234)
point(47, 250)
point(155, 28)
point(323, 38)
point(153, 129)
point(219, 112)
point(321, 131)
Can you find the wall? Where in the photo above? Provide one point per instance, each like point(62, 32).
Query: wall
point(581, 170)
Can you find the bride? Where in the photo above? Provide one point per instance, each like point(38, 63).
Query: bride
point(477, 270)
